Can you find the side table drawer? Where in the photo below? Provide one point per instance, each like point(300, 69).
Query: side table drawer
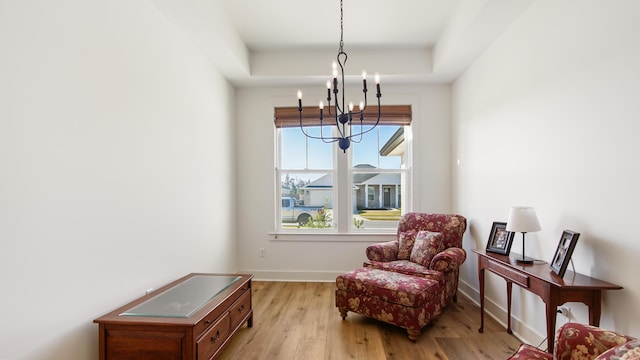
point(211, 341)
point(510, 274)
point(240, 309)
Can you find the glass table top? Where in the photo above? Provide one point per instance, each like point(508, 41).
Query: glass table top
point(182, 300)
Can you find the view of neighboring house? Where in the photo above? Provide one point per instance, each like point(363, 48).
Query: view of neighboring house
point(376, 191)
point(370, 190)
point(318, 192)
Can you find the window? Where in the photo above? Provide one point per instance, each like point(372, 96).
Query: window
point(324, 189)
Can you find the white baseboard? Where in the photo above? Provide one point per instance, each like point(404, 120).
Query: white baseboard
point(520, 330)
point(293, 276)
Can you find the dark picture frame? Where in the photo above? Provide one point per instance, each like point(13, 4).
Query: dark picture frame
point(561, 258)
point(500, 239)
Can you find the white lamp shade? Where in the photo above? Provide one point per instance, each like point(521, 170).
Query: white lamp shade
point(522, 219)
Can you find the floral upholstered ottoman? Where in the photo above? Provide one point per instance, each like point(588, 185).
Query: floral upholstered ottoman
point(409, 302)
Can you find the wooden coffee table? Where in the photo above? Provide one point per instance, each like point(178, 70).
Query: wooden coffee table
point(190, 318)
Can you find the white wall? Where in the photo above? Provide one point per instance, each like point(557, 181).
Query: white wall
point(116, 168)
point(324, 257)
point(548, 117)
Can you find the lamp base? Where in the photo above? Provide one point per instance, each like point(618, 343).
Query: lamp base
point(524, 260)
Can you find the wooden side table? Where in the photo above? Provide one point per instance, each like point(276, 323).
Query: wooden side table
point(540, 280)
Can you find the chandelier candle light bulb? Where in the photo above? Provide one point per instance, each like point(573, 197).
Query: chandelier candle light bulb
point(364, 81)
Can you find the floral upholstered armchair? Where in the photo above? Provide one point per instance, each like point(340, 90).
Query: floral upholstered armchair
point(427, 245)
point(583, 342)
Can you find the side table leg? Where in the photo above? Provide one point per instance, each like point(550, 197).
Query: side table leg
point(552, 308)
point(509, 287)
point(481, 283)
point(595, 308)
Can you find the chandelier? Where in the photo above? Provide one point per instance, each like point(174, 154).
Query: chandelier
point(342, 115)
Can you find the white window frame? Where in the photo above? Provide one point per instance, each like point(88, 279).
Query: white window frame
point(342, 187)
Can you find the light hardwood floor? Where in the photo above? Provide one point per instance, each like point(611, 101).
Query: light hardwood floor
point(297, 320)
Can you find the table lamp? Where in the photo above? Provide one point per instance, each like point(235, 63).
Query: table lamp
point(523, 219)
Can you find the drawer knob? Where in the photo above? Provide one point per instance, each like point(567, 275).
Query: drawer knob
point(207, 322)
point(216, 337)
point(241, 308)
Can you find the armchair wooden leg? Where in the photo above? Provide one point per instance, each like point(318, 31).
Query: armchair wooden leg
point(413, 334)
point(343, 313)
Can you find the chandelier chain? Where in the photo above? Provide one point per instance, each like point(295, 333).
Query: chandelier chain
point(341, 49)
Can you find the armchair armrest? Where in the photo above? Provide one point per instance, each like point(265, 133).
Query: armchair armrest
point(448, 259)
point(585, 341)
point(386, 251)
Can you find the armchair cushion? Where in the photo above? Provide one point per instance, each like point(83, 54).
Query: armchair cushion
point(579, 341)
point(627, 351)
point(406, 267)
point(406, 239)
point(425, 247)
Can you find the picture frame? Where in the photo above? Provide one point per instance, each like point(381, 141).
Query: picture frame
point(561, 258)
point(500, 239)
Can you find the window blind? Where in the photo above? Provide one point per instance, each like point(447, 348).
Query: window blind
point(389, 115)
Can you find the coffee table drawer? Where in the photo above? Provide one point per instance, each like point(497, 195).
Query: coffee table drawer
point(204, 324)
point(240, 309)
point(213, 338)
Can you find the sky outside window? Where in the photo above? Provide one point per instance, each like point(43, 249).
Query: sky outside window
point(294, 145)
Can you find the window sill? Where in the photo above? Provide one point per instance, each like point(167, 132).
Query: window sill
point(309, 236)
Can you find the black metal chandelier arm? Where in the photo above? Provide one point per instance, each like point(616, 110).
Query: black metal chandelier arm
point(340, 130)
point(353, 136)
point(335, 90)
point(371, 128)
point(363, 103)
point(329, 139)
point(325, 139)
point(337, 112)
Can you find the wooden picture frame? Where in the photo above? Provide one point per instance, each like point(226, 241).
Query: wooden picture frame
point(563, 253)
point(500, 239)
